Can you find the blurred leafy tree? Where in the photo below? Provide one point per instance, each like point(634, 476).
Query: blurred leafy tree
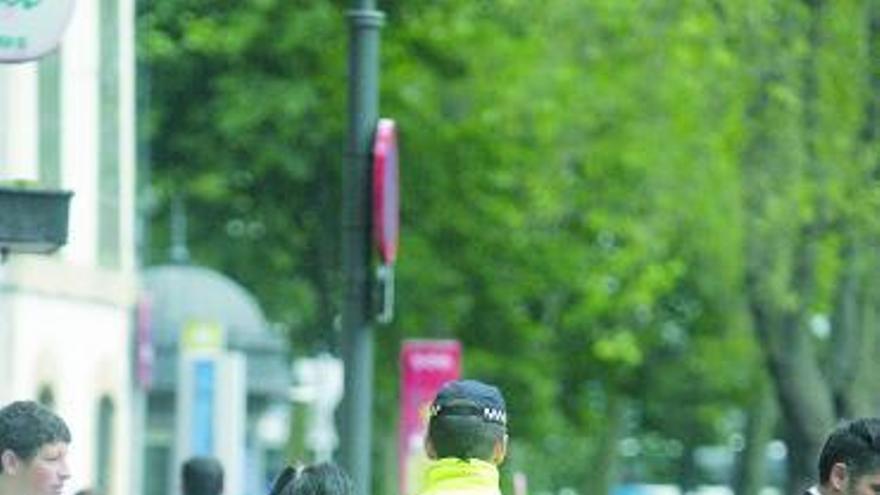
point(601, 199)
point(580, 176)
point(810, 188)
point(238, 125)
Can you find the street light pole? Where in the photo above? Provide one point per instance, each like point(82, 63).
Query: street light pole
point(357, 339)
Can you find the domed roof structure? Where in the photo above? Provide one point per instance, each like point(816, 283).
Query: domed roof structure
point(181, 294)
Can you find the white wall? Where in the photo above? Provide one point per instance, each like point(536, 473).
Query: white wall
point(79, 350)
point(19, 127)
point(79, 152)
point(18, 122)
point(64, 321)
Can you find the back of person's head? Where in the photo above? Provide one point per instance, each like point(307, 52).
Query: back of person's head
point(202, 475)
point(26, 426)
point(468, 420)
point(325, 478)
point(854, 444)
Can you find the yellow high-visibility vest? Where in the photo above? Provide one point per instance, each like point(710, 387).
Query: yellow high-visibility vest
point(451, 476)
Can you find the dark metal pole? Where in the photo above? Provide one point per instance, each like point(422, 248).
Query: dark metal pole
point(357, 339)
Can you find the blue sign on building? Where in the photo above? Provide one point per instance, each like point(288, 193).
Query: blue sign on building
point(204, 392)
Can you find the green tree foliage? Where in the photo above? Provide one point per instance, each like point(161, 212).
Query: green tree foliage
point(808, 183)
point(623, 209)
point(240, 125)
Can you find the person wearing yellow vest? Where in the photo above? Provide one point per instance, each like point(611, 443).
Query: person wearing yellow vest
point(466, 441)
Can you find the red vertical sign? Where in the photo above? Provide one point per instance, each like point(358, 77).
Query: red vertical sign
point(144, 357)
point(386, 194)
point(425, 366)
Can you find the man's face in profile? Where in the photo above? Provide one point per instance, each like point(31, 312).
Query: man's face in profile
point(46, 473)
point(867, 484)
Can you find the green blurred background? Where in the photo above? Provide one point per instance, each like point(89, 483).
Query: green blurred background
point(652, 223)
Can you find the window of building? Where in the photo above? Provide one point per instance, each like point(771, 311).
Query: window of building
point(46, 396)
point(104, 446)
point(108, 138)
point(158, 441)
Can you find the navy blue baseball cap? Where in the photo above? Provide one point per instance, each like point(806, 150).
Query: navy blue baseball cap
point(470, 398)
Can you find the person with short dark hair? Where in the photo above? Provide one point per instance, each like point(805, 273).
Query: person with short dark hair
point(33, 450)
point(849, 463)
point(467, 439)
point(325, 478)
point(202, 475)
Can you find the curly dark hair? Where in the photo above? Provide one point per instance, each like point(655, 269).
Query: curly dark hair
point(855, 443)
point(25, 426)
point(325, 478)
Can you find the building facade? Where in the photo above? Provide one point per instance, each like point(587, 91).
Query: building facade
point(220, 384)
point(67, 319)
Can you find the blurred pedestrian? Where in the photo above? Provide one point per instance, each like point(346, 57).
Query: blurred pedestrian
point(33, 450)
point(202, 475)
point(325, 478)
point(467, 439)
point(849, 463)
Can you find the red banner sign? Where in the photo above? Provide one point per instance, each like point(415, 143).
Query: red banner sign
point(425, 366)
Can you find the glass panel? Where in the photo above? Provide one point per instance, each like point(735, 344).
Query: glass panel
point(156, 464)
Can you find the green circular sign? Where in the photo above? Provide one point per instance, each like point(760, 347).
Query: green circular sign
point(30, 29)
